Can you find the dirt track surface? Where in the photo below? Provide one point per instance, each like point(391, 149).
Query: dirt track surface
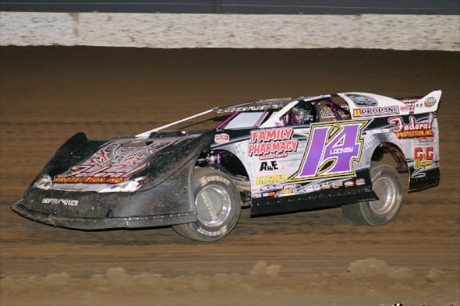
point(47, 94)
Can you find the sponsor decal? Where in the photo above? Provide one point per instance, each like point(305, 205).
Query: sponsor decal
point(276, 156)
point(269, 188)
point(376, 111)
point(114, 163)
point(410, 107)
point(272, 142)
point(311, 188)
point(269, 194)
point(221, 138)
point(361, 100)
point(423, 157)
point(411, 104)
point(93, 179)
point(413, 129)
point(65, 202)
point(429, 102)
point(349, 183)
point(360, 182)
point(129, 186)
point(264, 166)
point(286, 191)
point(254, 107)
point(271, 179)
point(45, 182)
point(337, 184)
point(331, 150)
point(426, 139)
point(404, 108)
point(409, 100)
point(270, 167)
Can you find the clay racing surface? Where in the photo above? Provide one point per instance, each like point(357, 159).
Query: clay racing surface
point(47, 94)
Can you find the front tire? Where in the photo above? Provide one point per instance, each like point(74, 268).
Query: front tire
point(218, 206)
point(388, 187)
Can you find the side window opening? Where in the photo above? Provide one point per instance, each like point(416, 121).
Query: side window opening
point(329, 110)
point(301, 114)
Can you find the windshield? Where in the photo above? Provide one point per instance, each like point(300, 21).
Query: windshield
point(243, 120)
point(246, 120)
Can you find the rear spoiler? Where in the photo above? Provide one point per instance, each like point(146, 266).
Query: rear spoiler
point(428, 103)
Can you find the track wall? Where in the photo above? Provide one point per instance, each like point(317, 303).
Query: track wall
point(398, 31)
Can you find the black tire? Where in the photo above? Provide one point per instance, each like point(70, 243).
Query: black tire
point(388, 187)
point(218, 206)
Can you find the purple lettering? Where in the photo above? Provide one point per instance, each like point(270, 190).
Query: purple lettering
point(331, 150)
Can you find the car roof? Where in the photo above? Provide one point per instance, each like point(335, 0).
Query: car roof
point(279, 103)
point(265, 104)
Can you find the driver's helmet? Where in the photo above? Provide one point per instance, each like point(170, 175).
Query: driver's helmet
point(302, 115)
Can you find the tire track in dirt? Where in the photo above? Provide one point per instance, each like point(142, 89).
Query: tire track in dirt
point(308, 258)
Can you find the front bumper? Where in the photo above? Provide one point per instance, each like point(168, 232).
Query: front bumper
point(167, 203)
point(104, 223)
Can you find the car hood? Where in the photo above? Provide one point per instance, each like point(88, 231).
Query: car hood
point(114, 165)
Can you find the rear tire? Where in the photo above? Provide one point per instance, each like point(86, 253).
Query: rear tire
point(218, 206)
point(388, 187)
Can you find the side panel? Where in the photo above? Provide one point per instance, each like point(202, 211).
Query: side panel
point(418, 137)
point(327, 164)
point(411, 125)
point(304, 167)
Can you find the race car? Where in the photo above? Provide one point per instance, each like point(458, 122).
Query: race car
point(271, 156)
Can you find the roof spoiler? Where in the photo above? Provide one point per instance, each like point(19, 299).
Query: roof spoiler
point(430, 102)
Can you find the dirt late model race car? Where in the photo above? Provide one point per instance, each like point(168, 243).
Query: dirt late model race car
point(272, 156)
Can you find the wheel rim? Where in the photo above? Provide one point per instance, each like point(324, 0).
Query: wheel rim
point(386, 191)
point(213, 205)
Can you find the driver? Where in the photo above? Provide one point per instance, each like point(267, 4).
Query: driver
point(302, 115)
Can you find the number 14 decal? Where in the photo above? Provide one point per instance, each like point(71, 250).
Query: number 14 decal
point(331, 150)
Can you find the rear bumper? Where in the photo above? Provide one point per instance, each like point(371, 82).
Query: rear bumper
point(104, 223)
